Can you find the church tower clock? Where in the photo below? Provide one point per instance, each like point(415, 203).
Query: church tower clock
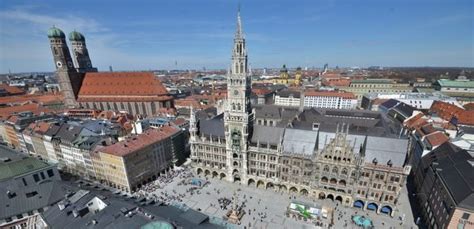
point(238, 116)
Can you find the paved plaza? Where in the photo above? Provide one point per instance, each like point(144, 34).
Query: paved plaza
point(264, 208)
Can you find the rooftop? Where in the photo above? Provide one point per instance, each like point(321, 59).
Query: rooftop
point(13, 164)
point(456, 169)
point(456, 83)
point(122, 86)
point(135, 143)
point(373, 81)
point(346, 95)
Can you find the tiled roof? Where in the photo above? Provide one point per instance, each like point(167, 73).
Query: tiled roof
point(415, 121)
point(345, 95)
point(447, 111)
point(5, 112)
point(120, 86)
point(336, 82)
point(10, 89)
point(469, 106)
point(135, 143)
point(180, 121)
point(437, 138)
point(44, 98)
point(261, 91)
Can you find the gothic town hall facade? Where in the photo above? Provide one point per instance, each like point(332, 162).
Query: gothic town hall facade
point(363, 171)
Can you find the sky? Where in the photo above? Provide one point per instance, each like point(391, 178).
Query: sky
point(197, 34)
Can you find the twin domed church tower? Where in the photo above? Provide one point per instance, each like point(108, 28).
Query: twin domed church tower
point(70, 70)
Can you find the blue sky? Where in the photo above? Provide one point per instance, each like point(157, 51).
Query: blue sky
point(142, 35)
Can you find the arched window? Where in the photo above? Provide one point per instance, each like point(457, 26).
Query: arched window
point(233, 106)
point(344, 171)
point(335, 170)
point(55, 51)
point(326, 168)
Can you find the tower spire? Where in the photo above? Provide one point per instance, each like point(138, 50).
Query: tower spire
point(238, 33)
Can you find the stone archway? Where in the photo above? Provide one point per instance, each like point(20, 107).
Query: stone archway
point(342, 182)
point(222, 176)
point(293, 190)
point(386, 210)
point(304, 192)
point(199, 171)
point(339, 198)
point(251, 182)
point(237, 178)
point(333, 181)
point(324, 180)
point(270, 185)
point(207, 172)
point(283, 188)
point(260, 184)
point(359, 204)
point(235, 164)
point(330, 196)
point(321, 196)
point(215, 174)
point(372, 207)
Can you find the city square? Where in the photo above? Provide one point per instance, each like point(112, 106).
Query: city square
point(263, 208)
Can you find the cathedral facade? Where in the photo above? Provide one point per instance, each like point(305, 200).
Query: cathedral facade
point(137, 93)
point(363, 171)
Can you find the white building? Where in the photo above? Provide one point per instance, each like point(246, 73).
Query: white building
point(288, 98)
point(422, 101)
point(330, 99)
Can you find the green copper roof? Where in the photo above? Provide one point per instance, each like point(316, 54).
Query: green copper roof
point(55, 33)
point(456, 83)
point(76, 36)
point(17, 167)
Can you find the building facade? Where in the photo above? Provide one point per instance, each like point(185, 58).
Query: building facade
point(330, 99)
point(84, 87)
point(421, 101)
point(362, 87)
point(129, 164)
point(362, 171)
point(133, 92)
point(443, 185)
point(288, 98)
point(462, 88)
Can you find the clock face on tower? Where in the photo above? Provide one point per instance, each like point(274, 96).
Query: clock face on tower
point(59, 64)
point(236, 92)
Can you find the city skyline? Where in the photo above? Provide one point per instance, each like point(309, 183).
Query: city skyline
point(193, 36)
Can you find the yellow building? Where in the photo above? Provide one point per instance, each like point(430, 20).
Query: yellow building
point(129, 164)
point(298, 77)
point(284, 77)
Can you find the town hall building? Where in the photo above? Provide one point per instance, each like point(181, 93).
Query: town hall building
point(366, 170)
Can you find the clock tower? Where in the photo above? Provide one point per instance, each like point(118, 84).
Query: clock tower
point(238, 116)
